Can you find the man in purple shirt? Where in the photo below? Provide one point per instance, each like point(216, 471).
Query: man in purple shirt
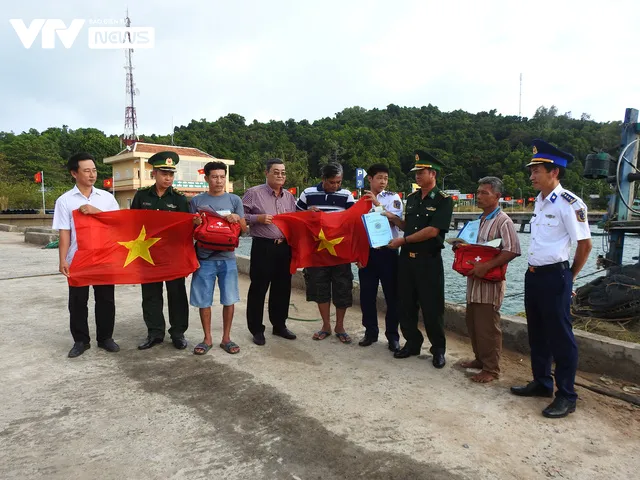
point(270, 253)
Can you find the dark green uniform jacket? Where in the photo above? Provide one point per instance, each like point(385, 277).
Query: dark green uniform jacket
point(435, 210)
point(146, 198)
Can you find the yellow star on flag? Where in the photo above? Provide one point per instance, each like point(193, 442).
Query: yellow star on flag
point(139, 248)
point(328, 244)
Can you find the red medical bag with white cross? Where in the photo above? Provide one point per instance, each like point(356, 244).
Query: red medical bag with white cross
point(216, 233)
point(465, 254)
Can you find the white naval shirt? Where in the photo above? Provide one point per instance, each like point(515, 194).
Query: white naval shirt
point(73, 200)
point(391, 203)
point(558, 220)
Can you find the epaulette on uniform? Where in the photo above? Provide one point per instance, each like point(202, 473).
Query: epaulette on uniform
point(178, 192)
point(389, 194)
point(445, 195)
point(141, 189)
point(412, 193)
point(568, 197)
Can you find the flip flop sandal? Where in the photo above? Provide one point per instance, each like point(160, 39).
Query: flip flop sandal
point(201, 348)
point(227, 347)
point(321, 335)
point(344, 337)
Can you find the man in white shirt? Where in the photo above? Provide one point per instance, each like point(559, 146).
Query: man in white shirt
point(559, 219)
point(382, 267)
point(88, 200)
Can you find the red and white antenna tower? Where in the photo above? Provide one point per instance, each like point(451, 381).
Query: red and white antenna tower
point(130, 117)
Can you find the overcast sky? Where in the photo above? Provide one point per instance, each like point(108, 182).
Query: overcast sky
point(310, 59)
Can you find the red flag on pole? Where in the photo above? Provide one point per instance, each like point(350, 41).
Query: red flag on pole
point(131, 247)
point(319, 239)
point(38, 177)
point(293, 191)
point(107, 183)
point(201, 171)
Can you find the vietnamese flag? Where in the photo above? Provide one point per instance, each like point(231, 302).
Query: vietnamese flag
point(38, 177)
point(319, 239)
point(131, 247)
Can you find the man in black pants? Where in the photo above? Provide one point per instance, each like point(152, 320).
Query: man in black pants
point(162, 196)
point(270, 253)
point(88, 200)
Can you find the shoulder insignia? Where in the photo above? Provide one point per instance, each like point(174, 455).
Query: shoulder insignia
point(445, 195)
point(581, 215)
point(178, 192)
point(412, 193)
point(553, 198)
point(568, 197)
point(397, 204)
point(142, 189)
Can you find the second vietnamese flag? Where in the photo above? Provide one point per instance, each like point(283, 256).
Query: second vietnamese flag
point(319, 239)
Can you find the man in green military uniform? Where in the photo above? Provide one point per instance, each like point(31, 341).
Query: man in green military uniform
point(162, 196)
point(420, 273)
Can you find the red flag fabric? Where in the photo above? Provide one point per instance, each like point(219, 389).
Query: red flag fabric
point(293, 190)
point(201, 171)
point(38, 177)
point(319, 239)
point(131, 247)
point(107, 182)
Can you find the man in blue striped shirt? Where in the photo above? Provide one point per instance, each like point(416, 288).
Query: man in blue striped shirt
point(327, 283)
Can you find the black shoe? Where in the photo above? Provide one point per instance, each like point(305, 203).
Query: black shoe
point(284, 333)
point(394, 345)
point(109, 345)
point(367, 340)
point(406, 352)
point(259, 339)
point(78, 349)
point(438, 360)
point(150, 342)
point(179, 342)
point(532, 389)
point(560, 407)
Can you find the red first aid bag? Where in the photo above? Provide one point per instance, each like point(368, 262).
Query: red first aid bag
point(215, 233)
point(478, 253)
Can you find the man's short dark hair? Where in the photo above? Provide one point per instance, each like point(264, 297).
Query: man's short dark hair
point(549, 167)
point(331, 170)
point(377, 168)
point(273, 161)
point(214, 166)
point(74, 160)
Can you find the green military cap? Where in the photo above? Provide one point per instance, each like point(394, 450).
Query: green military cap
point(426, 160)
point(165, 161)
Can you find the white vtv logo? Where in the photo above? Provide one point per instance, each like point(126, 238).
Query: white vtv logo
point(49, 27)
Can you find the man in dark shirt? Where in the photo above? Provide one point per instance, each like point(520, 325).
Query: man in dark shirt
point(420, 272)
point(162, 196)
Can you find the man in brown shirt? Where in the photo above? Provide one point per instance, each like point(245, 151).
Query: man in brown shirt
point(484, 298)
point(270, 253)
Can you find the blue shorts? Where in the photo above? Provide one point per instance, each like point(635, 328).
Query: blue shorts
point(204, 281)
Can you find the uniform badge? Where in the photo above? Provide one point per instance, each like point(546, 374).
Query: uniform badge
point(431, 209)
point(417, 157)
point(171, 205)
point(553, 198)
point(581, 215)
point(168, 161)
point(397, 204)
point(548, 215)
point(535, 150)
point(568, 197)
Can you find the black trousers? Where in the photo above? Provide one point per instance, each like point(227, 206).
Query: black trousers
point(421, 285)
point(382, 268)
point(105, 312)
point(269, 269)
point(152, 305)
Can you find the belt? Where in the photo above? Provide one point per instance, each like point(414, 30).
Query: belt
point(276, 241)
point(547, 268)
point(423, 254)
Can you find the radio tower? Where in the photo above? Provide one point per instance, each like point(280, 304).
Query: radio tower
point(130, 118)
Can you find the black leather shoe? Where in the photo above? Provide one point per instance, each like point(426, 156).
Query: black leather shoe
point(394, 345)
point(78, 349)
point(366, 341)
point(406, 352)
point(285, 333)
point(560, 407)
point(438, 360)
point(259, 339)
point(150, 342)
point(109, 345)
point(179, 342)
point(532, 389)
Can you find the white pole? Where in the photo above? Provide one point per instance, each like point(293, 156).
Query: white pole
point(42, 187)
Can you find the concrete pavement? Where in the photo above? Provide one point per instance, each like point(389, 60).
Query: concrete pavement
point(289, 410)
